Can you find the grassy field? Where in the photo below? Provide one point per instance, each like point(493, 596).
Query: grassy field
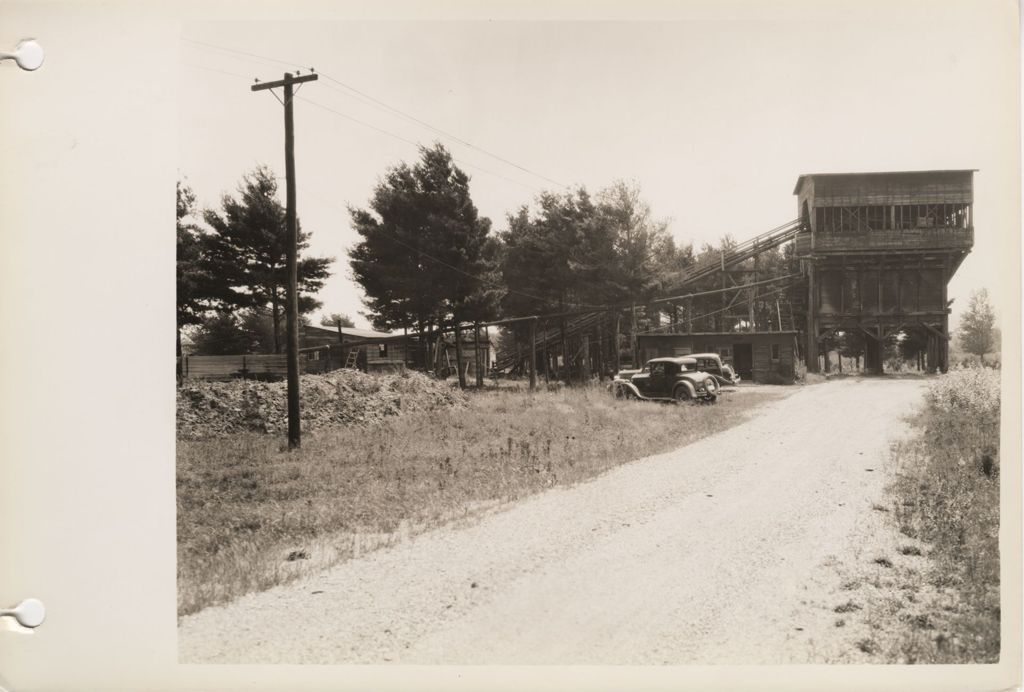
point(251, 515)
point(946, 495)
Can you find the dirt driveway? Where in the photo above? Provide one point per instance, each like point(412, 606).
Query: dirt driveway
point(724, 551)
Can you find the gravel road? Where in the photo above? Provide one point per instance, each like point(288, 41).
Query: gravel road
point(723, 551)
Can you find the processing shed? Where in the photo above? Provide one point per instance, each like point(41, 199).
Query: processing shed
point(766, 357)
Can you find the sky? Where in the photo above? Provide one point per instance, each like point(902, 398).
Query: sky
point(714, 120)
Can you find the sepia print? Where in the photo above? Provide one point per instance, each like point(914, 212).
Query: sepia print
point(584, 342)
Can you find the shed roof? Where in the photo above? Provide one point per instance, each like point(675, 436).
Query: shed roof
point(804, 176)
point(350, 331)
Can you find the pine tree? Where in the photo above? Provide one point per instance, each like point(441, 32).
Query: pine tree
point(194, 281)
point(246, 252)
point(426, 257)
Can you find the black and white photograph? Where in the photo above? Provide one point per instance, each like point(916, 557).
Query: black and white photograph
point(683, 337)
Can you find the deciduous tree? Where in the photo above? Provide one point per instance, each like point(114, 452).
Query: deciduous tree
point(977, 326)
point(335, 319)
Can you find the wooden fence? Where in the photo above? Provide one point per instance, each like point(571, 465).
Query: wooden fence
point(259, 366)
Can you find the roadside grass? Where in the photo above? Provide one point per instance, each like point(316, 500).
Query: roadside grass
point(946, 496)
point(252, 515)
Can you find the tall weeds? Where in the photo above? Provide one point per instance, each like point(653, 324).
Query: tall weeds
point(947, 495)
point(251, 515)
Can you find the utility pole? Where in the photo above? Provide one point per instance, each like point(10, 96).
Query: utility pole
point(533, 354)
point(289, 81)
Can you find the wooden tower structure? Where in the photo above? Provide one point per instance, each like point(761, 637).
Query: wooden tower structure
point(878, 250)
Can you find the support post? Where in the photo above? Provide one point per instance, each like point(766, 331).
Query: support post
point(546, 359)
point(565, 353)
point(811, 354)
point(341, 340)
point(634, 346)
point(487, 351)
point(476, 355)
point(585, 364)
point(615, 342)
point(533, 353)
point(752, 297)
point(944, 357)
point(458, 352)
point(292, 251)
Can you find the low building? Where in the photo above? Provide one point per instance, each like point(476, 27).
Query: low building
point(471, 350)
point(767, 357)
point(372, 351)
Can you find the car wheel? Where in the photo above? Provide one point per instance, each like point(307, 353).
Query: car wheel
point(681, 394)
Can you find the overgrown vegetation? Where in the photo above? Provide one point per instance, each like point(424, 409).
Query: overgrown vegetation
point(251, 515)
point(213, 409)
point(947, 496)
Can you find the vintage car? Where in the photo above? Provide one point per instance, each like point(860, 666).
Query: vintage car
point(667, 379)
point(712, 363)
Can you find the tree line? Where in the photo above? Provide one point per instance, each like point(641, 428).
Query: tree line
point(429, 263)
point(232, 275)
point(426, 259)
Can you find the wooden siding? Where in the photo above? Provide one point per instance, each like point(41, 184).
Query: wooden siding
point(397, 352)
point(256, 365)
point(763, 367)
point(906, 240)
point(911, 187)
point(888, 291)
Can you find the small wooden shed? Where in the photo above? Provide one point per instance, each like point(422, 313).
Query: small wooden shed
point(376, 351)
point(768, 357)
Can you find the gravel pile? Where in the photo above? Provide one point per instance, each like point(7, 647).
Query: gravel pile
point(342, 397)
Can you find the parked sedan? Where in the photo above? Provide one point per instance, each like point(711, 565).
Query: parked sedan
point(667, 379)
point(712, 363)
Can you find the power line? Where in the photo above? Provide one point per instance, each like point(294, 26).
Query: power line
point(468, 274)
point(416, 144)
point(374, 127)
point(213, 69)
point(409, 141)
point(461, 141)
point(381, 104)
point(721, 310)
point(242, 52)
point(442, 132)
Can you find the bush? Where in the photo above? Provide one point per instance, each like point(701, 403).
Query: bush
point(961, 418)
point(947, 489)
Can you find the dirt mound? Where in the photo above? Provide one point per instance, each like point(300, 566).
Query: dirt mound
point(213, 409)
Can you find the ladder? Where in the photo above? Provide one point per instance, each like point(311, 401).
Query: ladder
point(353, 358)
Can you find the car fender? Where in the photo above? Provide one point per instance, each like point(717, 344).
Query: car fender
point(689, 388)
point(630, 386)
